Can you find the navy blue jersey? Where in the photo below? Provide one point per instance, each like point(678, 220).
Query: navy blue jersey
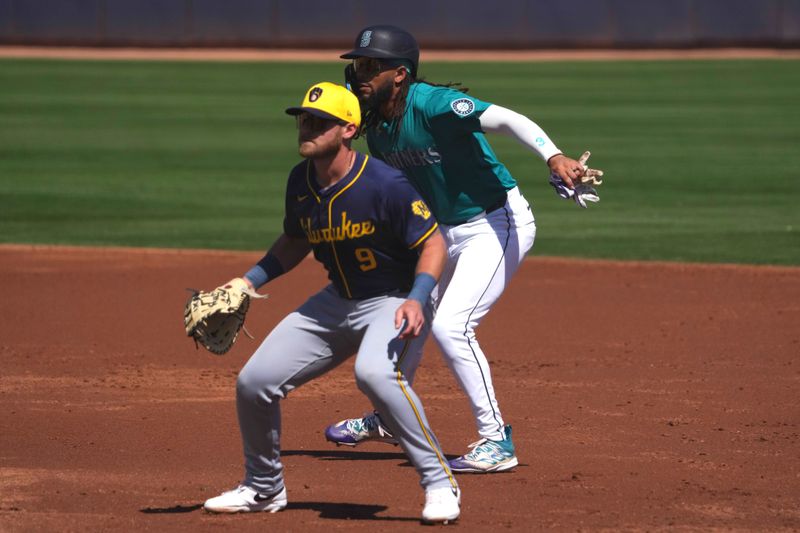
point(365, 229)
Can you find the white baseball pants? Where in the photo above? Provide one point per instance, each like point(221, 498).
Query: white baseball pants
point(484, 253)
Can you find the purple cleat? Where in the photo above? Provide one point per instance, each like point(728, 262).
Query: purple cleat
point(354, 431)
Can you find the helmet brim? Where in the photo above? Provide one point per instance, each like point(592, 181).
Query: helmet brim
point(368, 52)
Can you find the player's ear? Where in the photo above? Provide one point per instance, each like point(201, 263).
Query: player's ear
point(349, 131)
point(400, 73)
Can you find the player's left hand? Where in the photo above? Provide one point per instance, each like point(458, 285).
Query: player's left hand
point(409, 316)
point(213, 319)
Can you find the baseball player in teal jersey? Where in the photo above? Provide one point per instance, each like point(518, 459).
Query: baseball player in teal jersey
point(436, 135)
point(383, 252)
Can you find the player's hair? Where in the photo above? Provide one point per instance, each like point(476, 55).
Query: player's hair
point(373, 117)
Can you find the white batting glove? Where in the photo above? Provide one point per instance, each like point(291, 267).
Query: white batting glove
point(581, 194)
point(584, 193)
point(560, 187)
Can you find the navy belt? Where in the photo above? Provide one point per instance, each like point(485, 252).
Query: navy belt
point(498, 204)
point(494, 206)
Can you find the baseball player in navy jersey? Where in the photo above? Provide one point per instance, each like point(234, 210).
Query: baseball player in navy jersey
point(436, 135)
point(383, 253)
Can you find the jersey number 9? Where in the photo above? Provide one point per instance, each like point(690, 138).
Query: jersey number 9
point(366, 258)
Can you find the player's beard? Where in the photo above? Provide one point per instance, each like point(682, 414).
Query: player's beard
point(376, 99)
point(321, 148)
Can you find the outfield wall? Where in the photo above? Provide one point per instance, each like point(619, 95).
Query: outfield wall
point(437, 24)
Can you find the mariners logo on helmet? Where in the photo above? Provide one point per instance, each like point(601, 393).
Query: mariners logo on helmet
point(366, 37)
point(314, 94)
point(463, 107)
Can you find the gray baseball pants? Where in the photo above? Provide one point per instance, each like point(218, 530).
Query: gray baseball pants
point(321, 334)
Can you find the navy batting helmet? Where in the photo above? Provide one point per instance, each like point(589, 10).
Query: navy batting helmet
point(386, 42)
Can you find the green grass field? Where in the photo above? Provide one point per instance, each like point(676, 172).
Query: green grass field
point(701, 157)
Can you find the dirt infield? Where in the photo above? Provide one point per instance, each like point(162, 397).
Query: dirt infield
point(642, 396)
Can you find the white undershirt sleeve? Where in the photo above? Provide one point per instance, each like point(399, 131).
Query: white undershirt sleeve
point(498, 119)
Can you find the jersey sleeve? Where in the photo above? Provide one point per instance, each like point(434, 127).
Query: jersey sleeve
point(445, 103)
point(291, 222)
point(409, 216)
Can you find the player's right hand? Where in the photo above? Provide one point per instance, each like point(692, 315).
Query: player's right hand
point(410, 318)
point(566, 168)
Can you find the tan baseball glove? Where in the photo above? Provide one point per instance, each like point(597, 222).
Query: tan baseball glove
point(213, 319)
point(590, 175)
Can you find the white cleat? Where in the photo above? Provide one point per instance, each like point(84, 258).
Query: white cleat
point(442, 505)
point(244, 499)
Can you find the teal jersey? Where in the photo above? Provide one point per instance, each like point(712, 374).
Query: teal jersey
point(441, 148)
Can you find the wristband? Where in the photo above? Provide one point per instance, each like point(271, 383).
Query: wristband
point(421, 290)
point(267, 269)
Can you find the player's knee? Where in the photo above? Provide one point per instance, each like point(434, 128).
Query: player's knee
point(370, 380)
point(252, 386)
point(452, 336)
point(246, 388)
point(445, 329)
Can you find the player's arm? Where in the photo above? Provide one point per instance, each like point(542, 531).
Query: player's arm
point(284, 254)
point(496, 119)
point(432, 258)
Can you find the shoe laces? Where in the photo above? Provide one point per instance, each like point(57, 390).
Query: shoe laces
point(487, 449)
point(369, 423)
point(365, 423)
